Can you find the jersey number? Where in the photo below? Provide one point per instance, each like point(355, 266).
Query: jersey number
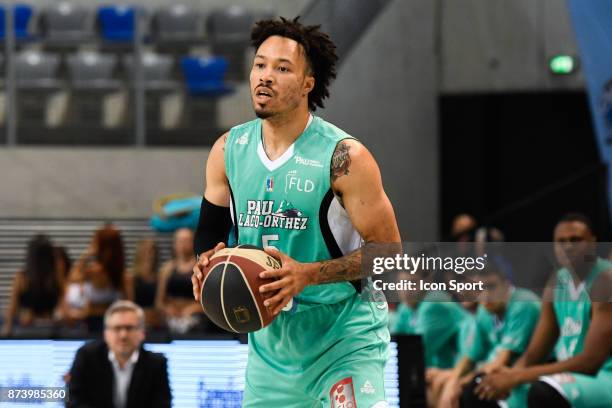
point(265, 240)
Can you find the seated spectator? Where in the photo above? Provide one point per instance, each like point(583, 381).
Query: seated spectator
point(175, 291)
point(145, 279)
point(36, 291)
point(575, 324)
point(504, 323)
point(102, 266)
point(63, 263)
point(73, 308)
point(119, 372)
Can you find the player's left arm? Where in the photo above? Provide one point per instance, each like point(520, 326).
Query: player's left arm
point(595, 351)
point(357, 183)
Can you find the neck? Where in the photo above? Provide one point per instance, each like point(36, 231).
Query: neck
point(122, 359)
point(279, 132)
point(582, 269)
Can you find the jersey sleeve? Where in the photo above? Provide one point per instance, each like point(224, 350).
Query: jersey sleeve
point(437, 323)
point(519, 324)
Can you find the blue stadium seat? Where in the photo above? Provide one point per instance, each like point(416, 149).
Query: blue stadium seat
point(116, 23)
point(204, 76)
point(21, 19)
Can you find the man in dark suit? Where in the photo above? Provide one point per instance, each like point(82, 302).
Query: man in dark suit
point(119, 372)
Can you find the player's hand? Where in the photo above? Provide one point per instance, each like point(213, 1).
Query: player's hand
point(497, 385)
point(438, 379)
point(450, 395)
point(198, 274)
point(292, 278)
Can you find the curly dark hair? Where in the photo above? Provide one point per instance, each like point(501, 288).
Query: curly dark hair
point(319, 49)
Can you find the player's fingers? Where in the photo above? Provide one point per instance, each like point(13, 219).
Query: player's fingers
point(282, 304)
point(272, 302)
point(273, 273)
point(279, 284)
point(204, 258)
point(195, 283)
point(478, 390)
point(197, 272)
point(275, 253)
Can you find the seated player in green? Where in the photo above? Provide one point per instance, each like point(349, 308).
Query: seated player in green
point(503, 325)
point(434, 316)
point(575, 322)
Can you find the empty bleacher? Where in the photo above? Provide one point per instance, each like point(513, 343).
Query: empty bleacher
point(88, 74)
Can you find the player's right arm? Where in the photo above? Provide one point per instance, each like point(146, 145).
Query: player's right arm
point(215, 220)
point(217, 186)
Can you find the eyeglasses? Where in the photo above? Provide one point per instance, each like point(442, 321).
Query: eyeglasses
point(128, 328)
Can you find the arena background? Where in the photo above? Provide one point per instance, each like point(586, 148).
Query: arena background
point(455, 98)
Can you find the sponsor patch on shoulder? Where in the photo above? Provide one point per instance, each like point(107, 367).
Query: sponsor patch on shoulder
point(342, 394)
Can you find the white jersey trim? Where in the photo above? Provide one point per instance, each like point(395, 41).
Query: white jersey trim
point(272, 165)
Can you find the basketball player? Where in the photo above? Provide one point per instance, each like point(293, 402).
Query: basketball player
point(577, 324)
point(309, 193)
point(502, 327)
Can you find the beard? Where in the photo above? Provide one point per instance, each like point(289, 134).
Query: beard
point(263, 114)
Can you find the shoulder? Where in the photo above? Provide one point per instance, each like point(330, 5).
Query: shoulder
point(166, 268)
point(153, 359)
point(350, 157)
point(601, 289)
point(92, 349)
point(525, 299)
point(241, 134)
point(219, 146)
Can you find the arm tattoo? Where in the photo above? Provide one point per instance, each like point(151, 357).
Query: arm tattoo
point(342, 269)
point(341, 161)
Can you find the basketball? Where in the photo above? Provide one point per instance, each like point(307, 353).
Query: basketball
point(230, 291)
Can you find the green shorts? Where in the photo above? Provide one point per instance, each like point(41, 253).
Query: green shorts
point(583, 391)
point(580, 390)
point(320, 355)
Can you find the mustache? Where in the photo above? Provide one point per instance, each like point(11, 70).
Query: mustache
point(264, 86)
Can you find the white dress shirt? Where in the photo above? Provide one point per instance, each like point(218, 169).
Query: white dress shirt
point(123, 376)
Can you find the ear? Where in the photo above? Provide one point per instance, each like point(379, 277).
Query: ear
point(309, 83)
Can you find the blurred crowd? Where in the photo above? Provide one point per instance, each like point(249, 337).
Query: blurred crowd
point(54, 295)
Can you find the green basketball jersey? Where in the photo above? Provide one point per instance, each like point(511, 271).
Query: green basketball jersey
point(573, 311)
point(288, 202)
point(513, 332)
point(438, 320)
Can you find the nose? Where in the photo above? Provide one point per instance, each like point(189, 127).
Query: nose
point(266, 76)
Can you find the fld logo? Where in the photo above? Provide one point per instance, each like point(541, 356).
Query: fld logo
point(295, 183)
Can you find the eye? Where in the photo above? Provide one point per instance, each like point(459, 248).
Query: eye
point(259, 65)
point(283, 69)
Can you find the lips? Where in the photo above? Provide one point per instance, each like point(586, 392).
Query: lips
point(263, 93)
